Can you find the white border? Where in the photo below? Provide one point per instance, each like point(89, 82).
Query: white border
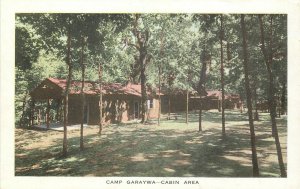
point(10, 7)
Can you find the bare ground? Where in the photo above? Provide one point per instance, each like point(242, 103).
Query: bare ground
point(171, 149)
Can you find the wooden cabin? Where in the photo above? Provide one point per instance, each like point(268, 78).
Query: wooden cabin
point(212, 100)
point(120, 102)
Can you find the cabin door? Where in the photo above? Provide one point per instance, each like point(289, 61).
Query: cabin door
point(136, 110)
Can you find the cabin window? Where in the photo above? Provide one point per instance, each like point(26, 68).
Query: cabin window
point(150, 103)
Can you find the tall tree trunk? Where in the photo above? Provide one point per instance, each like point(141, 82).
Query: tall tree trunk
point(82, 93)
point(187, 107)
point(159, 73)
point(32, 107)
point(222, 77)
point(256, 117)
point(169, 105)
point(283, 98)
point(279, 107)
point(249, 103)
point(100, 98)
point(141, 46)
point(21, 123)
point(143, 89)
point(48, 114)
point(65, 146)
point(272, 101)
point(201, 86)
point(200, 115)
point(66, 95)
point(159, 97)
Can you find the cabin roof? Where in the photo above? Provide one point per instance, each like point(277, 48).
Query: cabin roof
point(54, 88)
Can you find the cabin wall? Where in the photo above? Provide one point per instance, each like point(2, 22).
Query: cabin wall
point(120, 108)
point(178, 104)
point(209, 104)
point(74, 109)
point(93, 110)
point(153, 112)
point(116, 108)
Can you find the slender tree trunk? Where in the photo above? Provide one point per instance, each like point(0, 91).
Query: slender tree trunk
point(272, 102)
point(58, 110)
point(100, 98)
point(187, 107)
point(143, 85)
point(48, 114)
point(159, 73)
point(66, 95)
point(256, 117)
point(169, 105)
point(200, 115)
point(21, 123)
point(32, 112)
point(159, 97)
point(222, 77)
point(278, 107)
point(39, 117)
point(141, 46)
point(65, 146)
point(283, 97)
point(249, 103)
point(82, 94)
point(204, 59)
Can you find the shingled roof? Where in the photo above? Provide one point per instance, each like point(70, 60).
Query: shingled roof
point(92, 88)
point(54, 87)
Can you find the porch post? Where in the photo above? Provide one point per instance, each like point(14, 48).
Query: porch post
point(39, 117)
point(48, 114)
point(32, 112)
point(57, 110)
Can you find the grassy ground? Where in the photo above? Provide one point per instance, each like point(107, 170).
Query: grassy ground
point(171, 149)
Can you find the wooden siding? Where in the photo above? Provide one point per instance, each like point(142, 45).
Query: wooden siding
point(116, 108)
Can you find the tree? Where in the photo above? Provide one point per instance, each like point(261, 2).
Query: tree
point(159, 71)
point(205, 58)
point(102, 42)
point(141, 45)
point(82, 92)
point(53, 27)
point(268, 57)
point(222, 75)
point(249, 103)
point(66, 94)
point(28, 48)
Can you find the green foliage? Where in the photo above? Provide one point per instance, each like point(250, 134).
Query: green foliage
point(177, 44)
point(47, 65)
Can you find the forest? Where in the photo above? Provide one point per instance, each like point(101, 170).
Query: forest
point(238, 54)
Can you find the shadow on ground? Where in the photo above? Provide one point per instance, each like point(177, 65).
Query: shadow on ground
point(135, 150)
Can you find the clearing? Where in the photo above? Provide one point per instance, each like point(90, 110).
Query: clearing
point(171, 149)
